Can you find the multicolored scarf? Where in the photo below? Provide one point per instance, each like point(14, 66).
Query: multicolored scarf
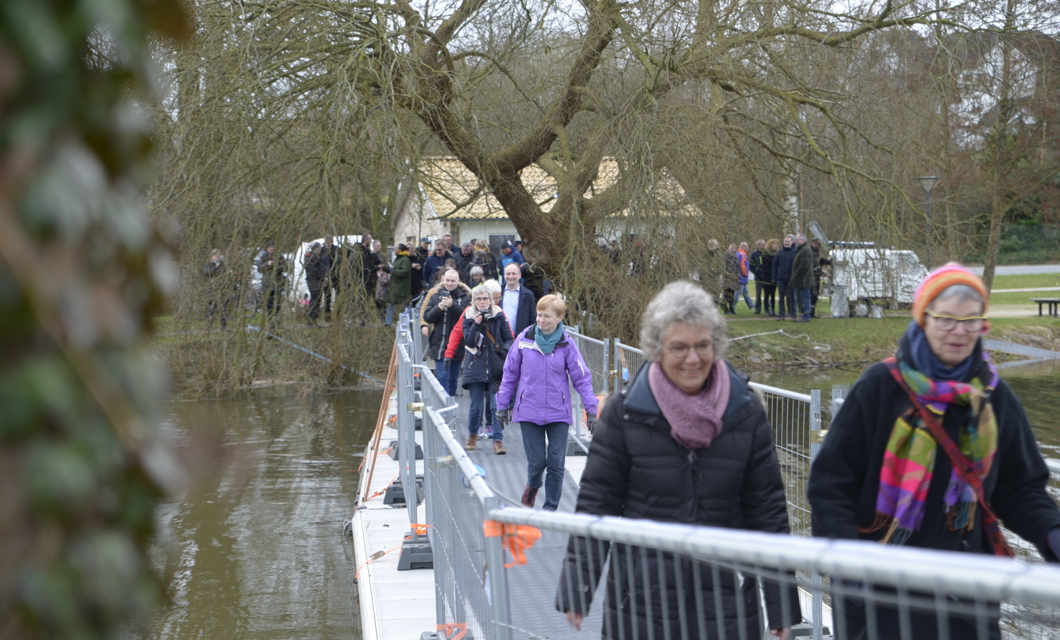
point(909, 460)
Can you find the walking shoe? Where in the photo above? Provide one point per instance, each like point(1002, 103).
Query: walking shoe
point(472, 442)
point(529, 496)
point(802, 319)
point(498, 448)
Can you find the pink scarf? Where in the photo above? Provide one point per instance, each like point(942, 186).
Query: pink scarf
point(695, 420)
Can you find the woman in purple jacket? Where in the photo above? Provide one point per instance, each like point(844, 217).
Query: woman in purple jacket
point(543, 364)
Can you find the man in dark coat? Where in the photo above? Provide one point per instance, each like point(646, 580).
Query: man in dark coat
point(317, 267)
point(464, 258)
point(443, 311)
point(332, 281)
point(802, 276)
point(819, 262)
point(273, 270)
point(434, 264)
point(782, 277)
point(761, 278)
point(418, 258)
point(517, 301)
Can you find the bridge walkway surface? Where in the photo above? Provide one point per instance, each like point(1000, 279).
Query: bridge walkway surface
point(533, 591)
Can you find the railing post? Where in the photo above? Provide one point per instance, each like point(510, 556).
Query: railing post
point(607, 367)
point(816, 582)
point(499, 600)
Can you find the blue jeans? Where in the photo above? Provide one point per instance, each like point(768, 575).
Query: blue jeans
point(742, 291)
point(448, 376)
point(804, 302)
point(479, 391)
point(540, 457)
point(787, 297)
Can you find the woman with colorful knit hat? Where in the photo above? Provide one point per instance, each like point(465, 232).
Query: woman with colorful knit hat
point(932, 449)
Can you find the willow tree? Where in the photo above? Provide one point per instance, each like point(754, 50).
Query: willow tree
point(502, 85)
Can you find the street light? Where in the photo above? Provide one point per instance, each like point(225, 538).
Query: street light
point(927, 183)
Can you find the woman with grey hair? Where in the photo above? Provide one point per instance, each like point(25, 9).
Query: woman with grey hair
point(932, 449)
point(476, 276)
point(685, 441)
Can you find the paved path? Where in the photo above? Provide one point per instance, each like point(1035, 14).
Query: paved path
point(1025, 290)
point(1020, 350)
point(1020, 269)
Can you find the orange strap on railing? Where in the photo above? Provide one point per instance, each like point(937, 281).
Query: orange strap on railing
point(516, 537)
point(420, 529)
point(459, 630)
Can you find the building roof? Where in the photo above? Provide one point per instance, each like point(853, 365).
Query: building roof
point(455, 193)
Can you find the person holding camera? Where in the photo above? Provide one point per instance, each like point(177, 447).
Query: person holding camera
point(487, 338)
point(443, 312)
point(541, 365)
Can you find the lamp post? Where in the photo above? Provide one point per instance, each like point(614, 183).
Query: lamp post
point(927, 183)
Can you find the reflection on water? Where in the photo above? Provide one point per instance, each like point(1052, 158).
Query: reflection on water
point(257, 550)
point(1036, 385)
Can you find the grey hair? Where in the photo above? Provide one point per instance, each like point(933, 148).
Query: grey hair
point(800, 235)
point(492, 286)
point(681, 302)
point(962, 292)
point(792, 236)
point(475, 271)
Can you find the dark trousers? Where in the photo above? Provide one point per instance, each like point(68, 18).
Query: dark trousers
point(315, 294)
point(325, 295)
point(787, 296)
point(449, 375)
point(804, 301)
point(814, 293)
point(273, 301)
point(542, 457)
point(769, 292)
point(759, 287)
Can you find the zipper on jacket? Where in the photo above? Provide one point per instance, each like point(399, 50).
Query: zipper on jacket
point(695, 484)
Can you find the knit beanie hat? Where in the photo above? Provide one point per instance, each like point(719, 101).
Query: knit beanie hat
point(941, 279)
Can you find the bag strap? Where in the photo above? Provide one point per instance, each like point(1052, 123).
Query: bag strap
point(960, 463)
point(486, 330)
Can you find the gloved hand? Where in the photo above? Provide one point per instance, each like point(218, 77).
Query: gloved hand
point(590, 422)
point(503, 417)
point(1054, 541)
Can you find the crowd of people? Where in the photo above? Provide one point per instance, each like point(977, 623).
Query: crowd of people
point(790, 272)
point(686, 440)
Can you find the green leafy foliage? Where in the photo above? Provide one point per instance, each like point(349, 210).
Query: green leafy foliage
point(81, 273)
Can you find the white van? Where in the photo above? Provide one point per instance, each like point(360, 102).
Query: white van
point(879, 276)
point(299, 290)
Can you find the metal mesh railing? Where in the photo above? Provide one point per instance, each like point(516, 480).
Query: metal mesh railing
point(675, 581)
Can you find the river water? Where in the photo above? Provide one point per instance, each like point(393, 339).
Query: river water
point(255, 550)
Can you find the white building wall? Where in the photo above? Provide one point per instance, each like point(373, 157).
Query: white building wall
point(417, 220)
point(482, 229)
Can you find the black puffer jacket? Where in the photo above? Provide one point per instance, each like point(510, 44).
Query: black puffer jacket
point(636, 469)
point(445, 319)
point(477, 364)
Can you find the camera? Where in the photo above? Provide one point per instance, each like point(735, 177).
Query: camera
point(486, 313)
point(445, 293)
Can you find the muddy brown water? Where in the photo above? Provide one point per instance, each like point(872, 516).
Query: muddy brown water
point(256, 550)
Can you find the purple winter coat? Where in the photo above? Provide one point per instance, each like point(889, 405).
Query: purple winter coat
point(544, 390)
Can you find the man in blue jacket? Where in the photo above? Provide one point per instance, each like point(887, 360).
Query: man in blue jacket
point(782, 274)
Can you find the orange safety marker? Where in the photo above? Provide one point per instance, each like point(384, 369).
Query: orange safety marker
point(458, 629)
point(516, 537)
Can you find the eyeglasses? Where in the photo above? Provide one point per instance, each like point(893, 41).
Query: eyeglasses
point(949, 323)
point(680, 351)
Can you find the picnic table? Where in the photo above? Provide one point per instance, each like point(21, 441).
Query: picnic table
point(1053, 305)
